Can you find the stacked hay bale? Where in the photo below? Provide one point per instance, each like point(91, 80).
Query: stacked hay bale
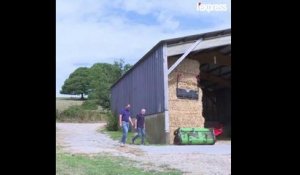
point(184, 112)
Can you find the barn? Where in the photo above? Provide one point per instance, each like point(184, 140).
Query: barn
point(182, 82)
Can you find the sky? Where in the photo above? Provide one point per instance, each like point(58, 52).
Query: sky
point(102, 31)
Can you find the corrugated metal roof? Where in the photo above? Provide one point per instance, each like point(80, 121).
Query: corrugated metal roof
point(197, 36)
point(190, 38)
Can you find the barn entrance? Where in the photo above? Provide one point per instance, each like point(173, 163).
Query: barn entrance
point(215, 81)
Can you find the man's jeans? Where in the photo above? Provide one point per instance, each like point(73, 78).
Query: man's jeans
point(125, 126)
point(141, 133)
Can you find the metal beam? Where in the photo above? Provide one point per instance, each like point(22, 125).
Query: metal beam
point(202, 65)
point(225, 50)
point(225, 73)
point(215, 79)
point(189, 50)
point(212, 58)
point(166, 93)
point(218, 67)
point(180, 48)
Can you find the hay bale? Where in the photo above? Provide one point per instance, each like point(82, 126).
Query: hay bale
point(184, 112)
point(188, 66)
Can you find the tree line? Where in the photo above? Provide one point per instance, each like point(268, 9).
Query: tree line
point(95, 82)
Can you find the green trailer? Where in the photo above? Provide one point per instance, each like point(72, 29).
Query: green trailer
point(194, 136)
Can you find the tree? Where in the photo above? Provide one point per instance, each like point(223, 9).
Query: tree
point(122, 66)
point(126, 68)
point(95, 81)
point(102, 76)
point(78, 83)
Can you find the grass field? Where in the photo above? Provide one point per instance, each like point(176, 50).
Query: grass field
point(64, 103)
point(68, 164)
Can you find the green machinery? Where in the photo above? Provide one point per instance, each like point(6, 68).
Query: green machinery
point(194, 136)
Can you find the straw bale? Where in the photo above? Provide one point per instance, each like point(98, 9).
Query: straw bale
point(184, 112)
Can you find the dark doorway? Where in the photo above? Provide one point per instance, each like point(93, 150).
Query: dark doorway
point(215, 82)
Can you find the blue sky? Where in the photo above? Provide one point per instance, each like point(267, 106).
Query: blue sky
point(92, 31)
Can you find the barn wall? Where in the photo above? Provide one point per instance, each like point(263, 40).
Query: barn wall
point(142, 87)
point(155, 126)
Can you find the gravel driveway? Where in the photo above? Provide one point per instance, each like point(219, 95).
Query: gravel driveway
point(191, 159)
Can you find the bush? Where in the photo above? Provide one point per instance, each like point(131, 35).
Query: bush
point(73, 112)
point(78, 114)
point(90, 105)
point(112, 122)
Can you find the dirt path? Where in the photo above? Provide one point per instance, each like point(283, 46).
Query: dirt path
point(200, 159)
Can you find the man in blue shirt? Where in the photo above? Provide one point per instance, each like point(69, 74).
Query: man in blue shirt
point(140, 126)
point(124, 119)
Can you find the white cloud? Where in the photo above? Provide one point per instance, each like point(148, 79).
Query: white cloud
point(90, 31)
point(167, 21)
point(174, 7)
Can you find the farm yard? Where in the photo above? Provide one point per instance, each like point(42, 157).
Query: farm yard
point(83, 144)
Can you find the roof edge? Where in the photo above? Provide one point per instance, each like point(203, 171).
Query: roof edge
point(137, 63)
point(172, 41)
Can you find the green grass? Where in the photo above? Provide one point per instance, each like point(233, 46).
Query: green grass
point(116, 135)
point(67, 164)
